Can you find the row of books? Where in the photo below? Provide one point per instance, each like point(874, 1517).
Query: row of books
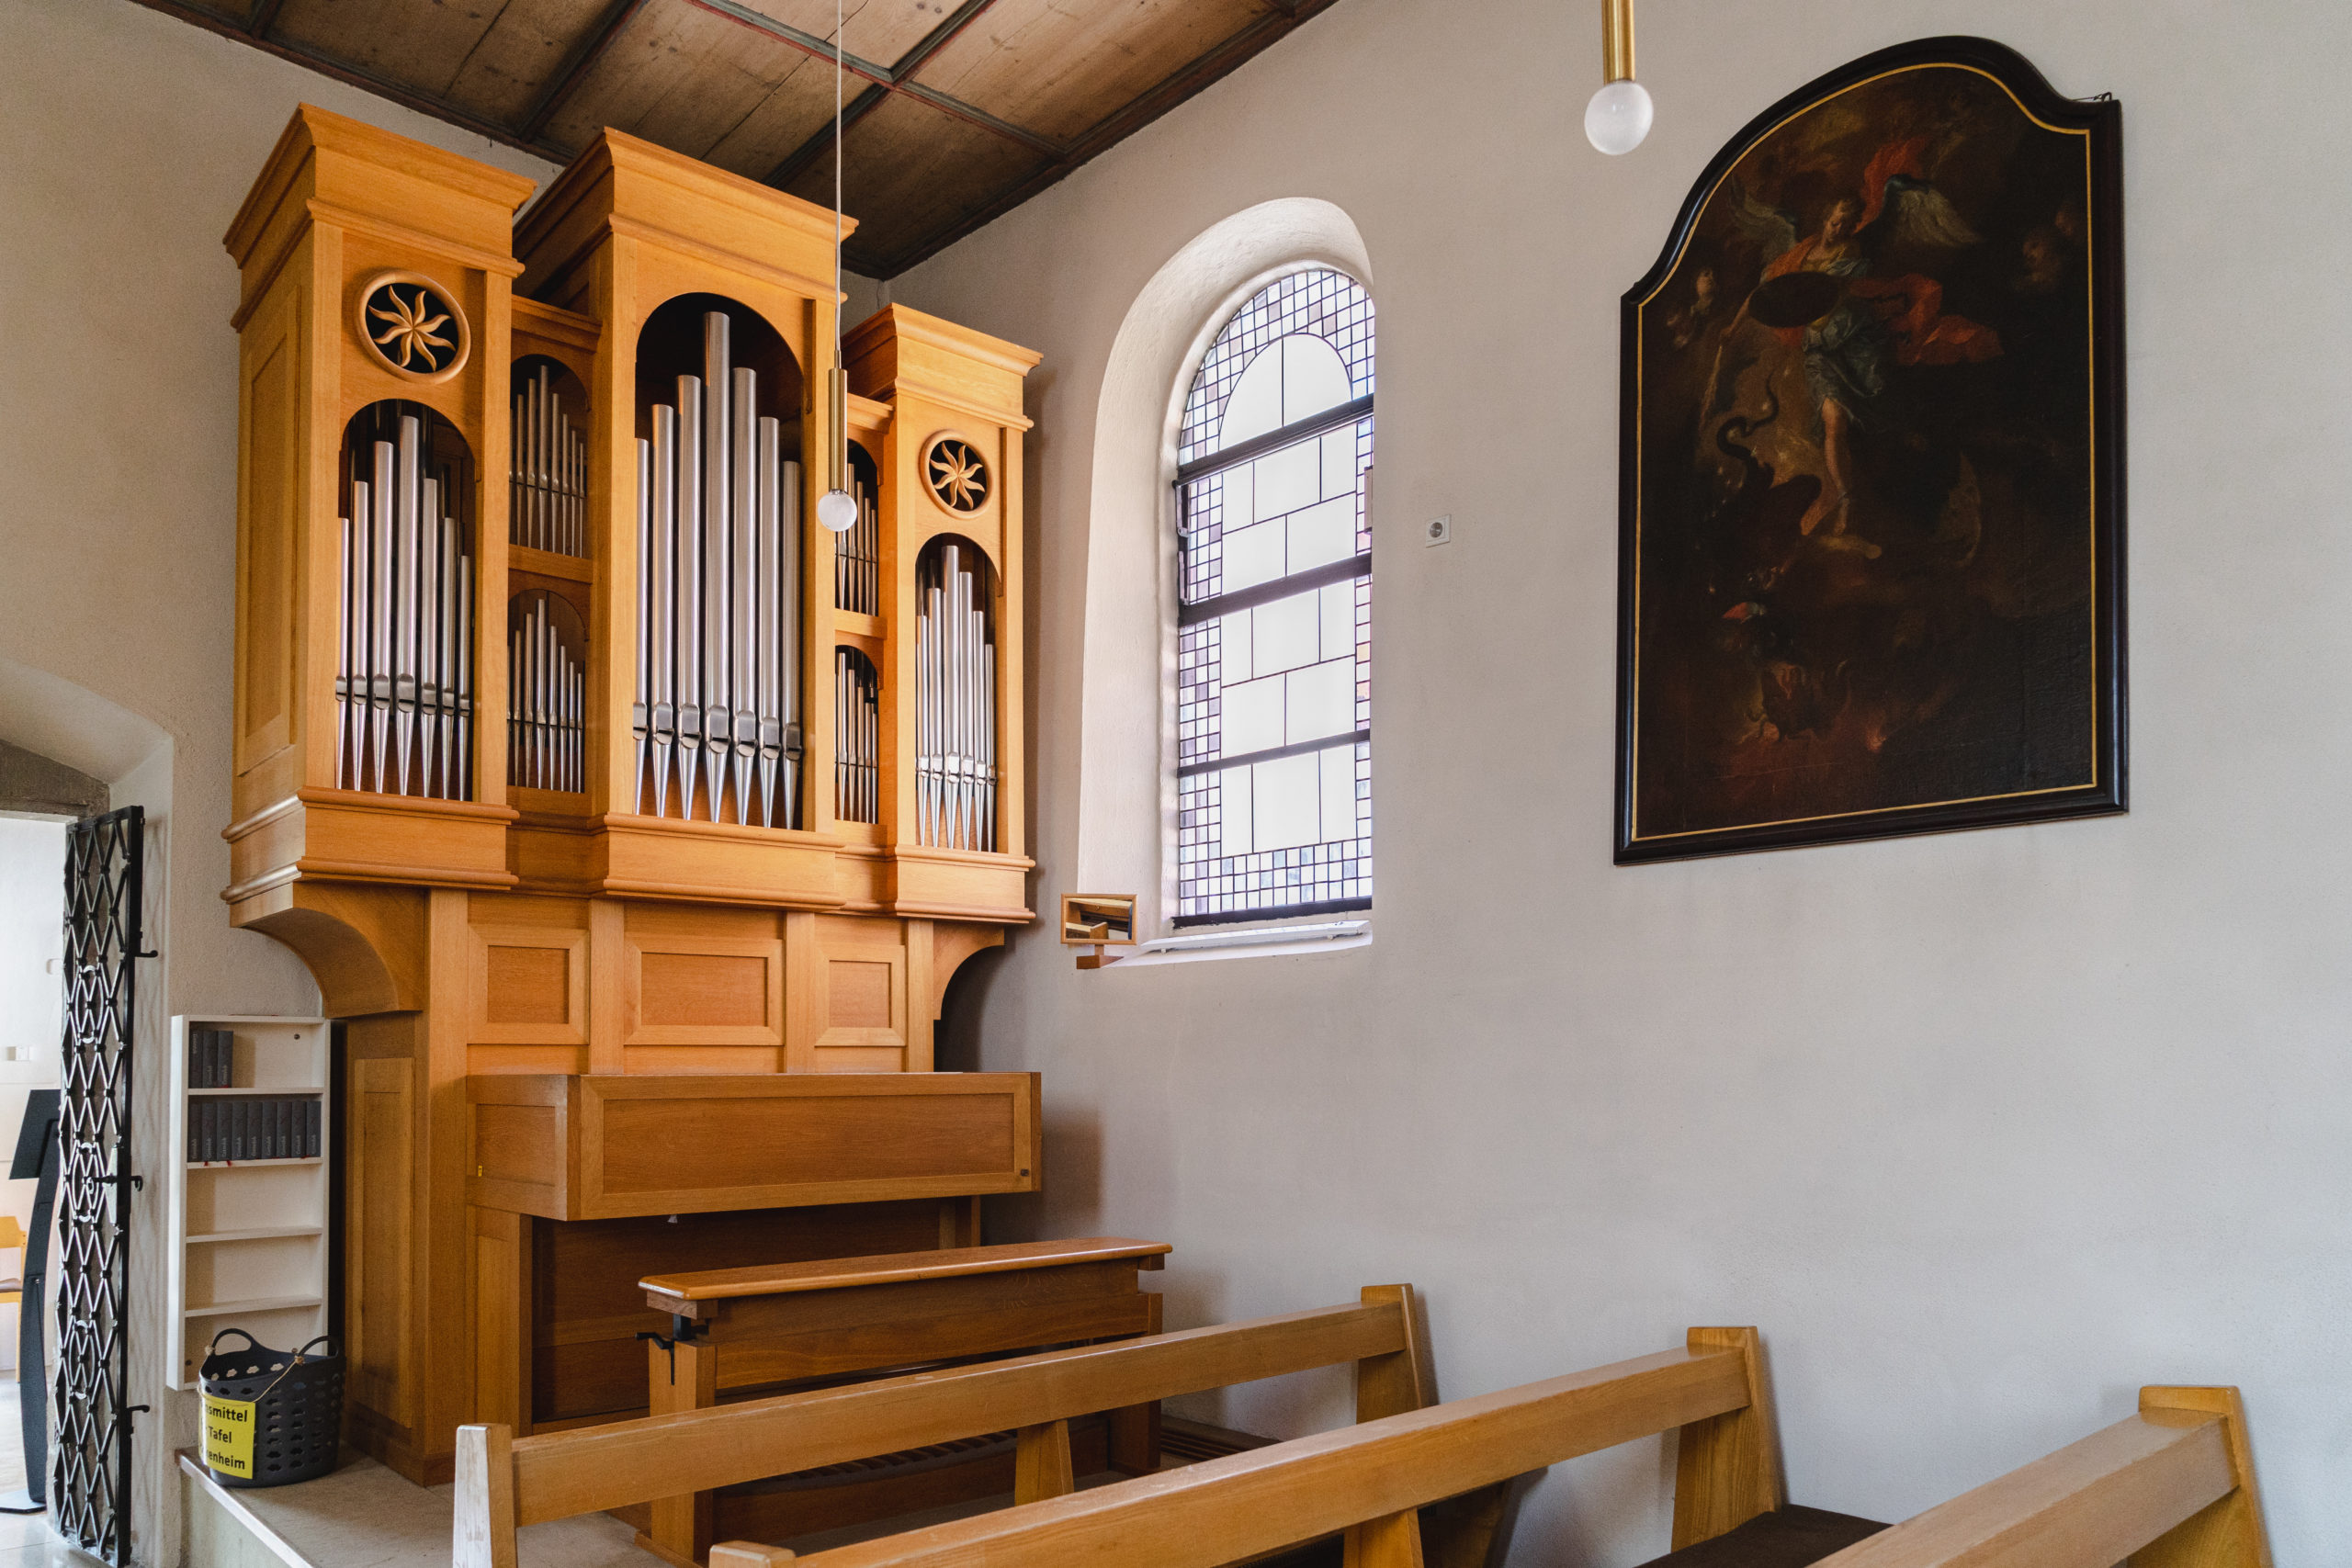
point(210, 1053)
point(226, 1129)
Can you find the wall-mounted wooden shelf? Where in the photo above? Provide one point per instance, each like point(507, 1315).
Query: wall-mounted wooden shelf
point(254, 1226)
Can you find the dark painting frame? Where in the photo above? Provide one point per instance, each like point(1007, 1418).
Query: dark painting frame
point(1682, 830)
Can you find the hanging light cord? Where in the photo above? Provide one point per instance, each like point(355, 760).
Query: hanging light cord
point(842, 435)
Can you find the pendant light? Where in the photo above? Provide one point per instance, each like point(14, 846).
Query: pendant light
point(837, 509)
point(1619, 115)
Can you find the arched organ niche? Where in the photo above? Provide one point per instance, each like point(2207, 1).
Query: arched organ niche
point(546, 709)
point(715, 715)
point(404, 678)
point(858, 554)
point(955, 670)
point(583, 959)
point(548, 506)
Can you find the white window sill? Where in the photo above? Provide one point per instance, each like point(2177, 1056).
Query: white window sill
point(1259, 942)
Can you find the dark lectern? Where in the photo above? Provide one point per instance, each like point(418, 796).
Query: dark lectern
point(36, 1157)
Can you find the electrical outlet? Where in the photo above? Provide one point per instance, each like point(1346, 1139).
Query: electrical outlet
point(1440, 530)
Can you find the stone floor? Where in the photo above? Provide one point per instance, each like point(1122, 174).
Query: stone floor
point(26, 1540)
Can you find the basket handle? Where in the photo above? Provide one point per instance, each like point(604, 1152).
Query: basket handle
point(303, 1354)
point(250, 1342)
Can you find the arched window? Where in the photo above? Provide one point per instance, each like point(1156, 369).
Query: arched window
point(1273, 714)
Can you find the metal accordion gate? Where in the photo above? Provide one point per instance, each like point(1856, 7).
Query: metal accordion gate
point(90, 1488)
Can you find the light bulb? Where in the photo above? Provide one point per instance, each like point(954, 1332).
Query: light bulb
point(837, 510)
point(1618, 116)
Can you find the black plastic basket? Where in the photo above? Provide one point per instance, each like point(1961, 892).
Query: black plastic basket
point(297, 1406)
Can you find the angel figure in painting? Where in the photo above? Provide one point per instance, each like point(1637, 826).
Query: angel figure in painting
point(1830, 296)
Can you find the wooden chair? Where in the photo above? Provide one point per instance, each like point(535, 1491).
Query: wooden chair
point(754, 1328)
point(503, 1481)
point(2171, 1487)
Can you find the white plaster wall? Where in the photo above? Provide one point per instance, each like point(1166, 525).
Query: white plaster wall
point(1985, 1129)
point(127, 141)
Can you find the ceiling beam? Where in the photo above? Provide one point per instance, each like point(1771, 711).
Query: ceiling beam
point(575, 68)
point(874, 97)
point(264, 15)
point(1112, 127)
point(367, 81)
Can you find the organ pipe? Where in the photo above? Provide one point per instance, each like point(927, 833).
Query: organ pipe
point(404, 680)
point(858, 735)
point(956, 778)
point(717, 714)
point(549, 489)
point(857, 555)
point(546, 703)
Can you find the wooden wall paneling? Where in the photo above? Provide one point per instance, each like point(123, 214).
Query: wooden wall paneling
point(914, 996)
point(524, 1142)
point(529, 985)
point(444, 1265)
point(865, 996)
point(269, 427)
point(381, 1152)
point(607, 963)
point(704, 990)
point(502, 1315)
point(804, 986)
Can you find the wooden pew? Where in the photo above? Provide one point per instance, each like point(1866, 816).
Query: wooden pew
point(777, 1324)
point(505, 1482)
point(2170, 1487)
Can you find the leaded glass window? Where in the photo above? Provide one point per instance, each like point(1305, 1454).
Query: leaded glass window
point(1273, 706)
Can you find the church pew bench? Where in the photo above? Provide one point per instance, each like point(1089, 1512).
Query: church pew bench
point(503, 1481)
point(2172, 1486)
point(733, 1330)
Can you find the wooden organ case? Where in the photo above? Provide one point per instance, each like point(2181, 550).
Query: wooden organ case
point(633, 824)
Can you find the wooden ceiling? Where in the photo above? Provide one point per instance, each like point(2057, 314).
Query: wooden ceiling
point(957, 110)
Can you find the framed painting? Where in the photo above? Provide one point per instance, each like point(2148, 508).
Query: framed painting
point(1870, 552)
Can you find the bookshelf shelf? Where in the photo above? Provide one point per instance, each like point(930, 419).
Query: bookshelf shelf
point(257, 1304)
point(255, 1231)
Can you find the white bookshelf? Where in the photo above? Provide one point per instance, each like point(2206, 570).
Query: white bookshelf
point(248, 1238)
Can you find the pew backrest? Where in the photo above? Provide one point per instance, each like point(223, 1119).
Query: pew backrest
point(505, 1482)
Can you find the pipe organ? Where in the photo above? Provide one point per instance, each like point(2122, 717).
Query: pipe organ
point(549, 510)
point(403, 687)
point(567, 458)
point(716, 711)
point(955, 700)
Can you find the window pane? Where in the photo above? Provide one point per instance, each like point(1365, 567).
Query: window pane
point(1252, 556)
point(1321, 701)
point(1253, 715)
point(1287, 480)
point(1256, 405)
point(1289, 803)
point(1288, 631)
point(1321, 533)
point(1314, 376)
point(1234, 630)
point(1337, 767)
point(1235, 787)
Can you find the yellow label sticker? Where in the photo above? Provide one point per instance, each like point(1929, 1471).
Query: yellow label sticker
point(229, 1436)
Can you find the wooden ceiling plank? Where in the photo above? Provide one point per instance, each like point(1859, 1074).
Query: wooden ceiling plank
point(689, 80)
point(1115, 127)
point(262, 16)
point(574, 69)
point(336, 70)
point(421, 43)
point(883, 31)
point(1058, 67)
point(911, 168)
point(821, 142)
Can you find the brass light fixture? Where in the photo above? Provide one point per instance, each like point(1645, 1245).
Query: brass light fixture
point(1619, 115)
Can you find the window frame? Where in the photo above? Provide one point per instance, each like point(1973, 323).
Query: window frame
point(1187, 869)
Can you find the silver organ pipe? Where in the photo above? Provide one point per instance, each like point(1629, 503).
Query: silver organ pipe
point(547, 702)
point(404, 685)
point(857, 555)
point(955, 777)
point(548, 509)
point(718, 716)
point(857, 734)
